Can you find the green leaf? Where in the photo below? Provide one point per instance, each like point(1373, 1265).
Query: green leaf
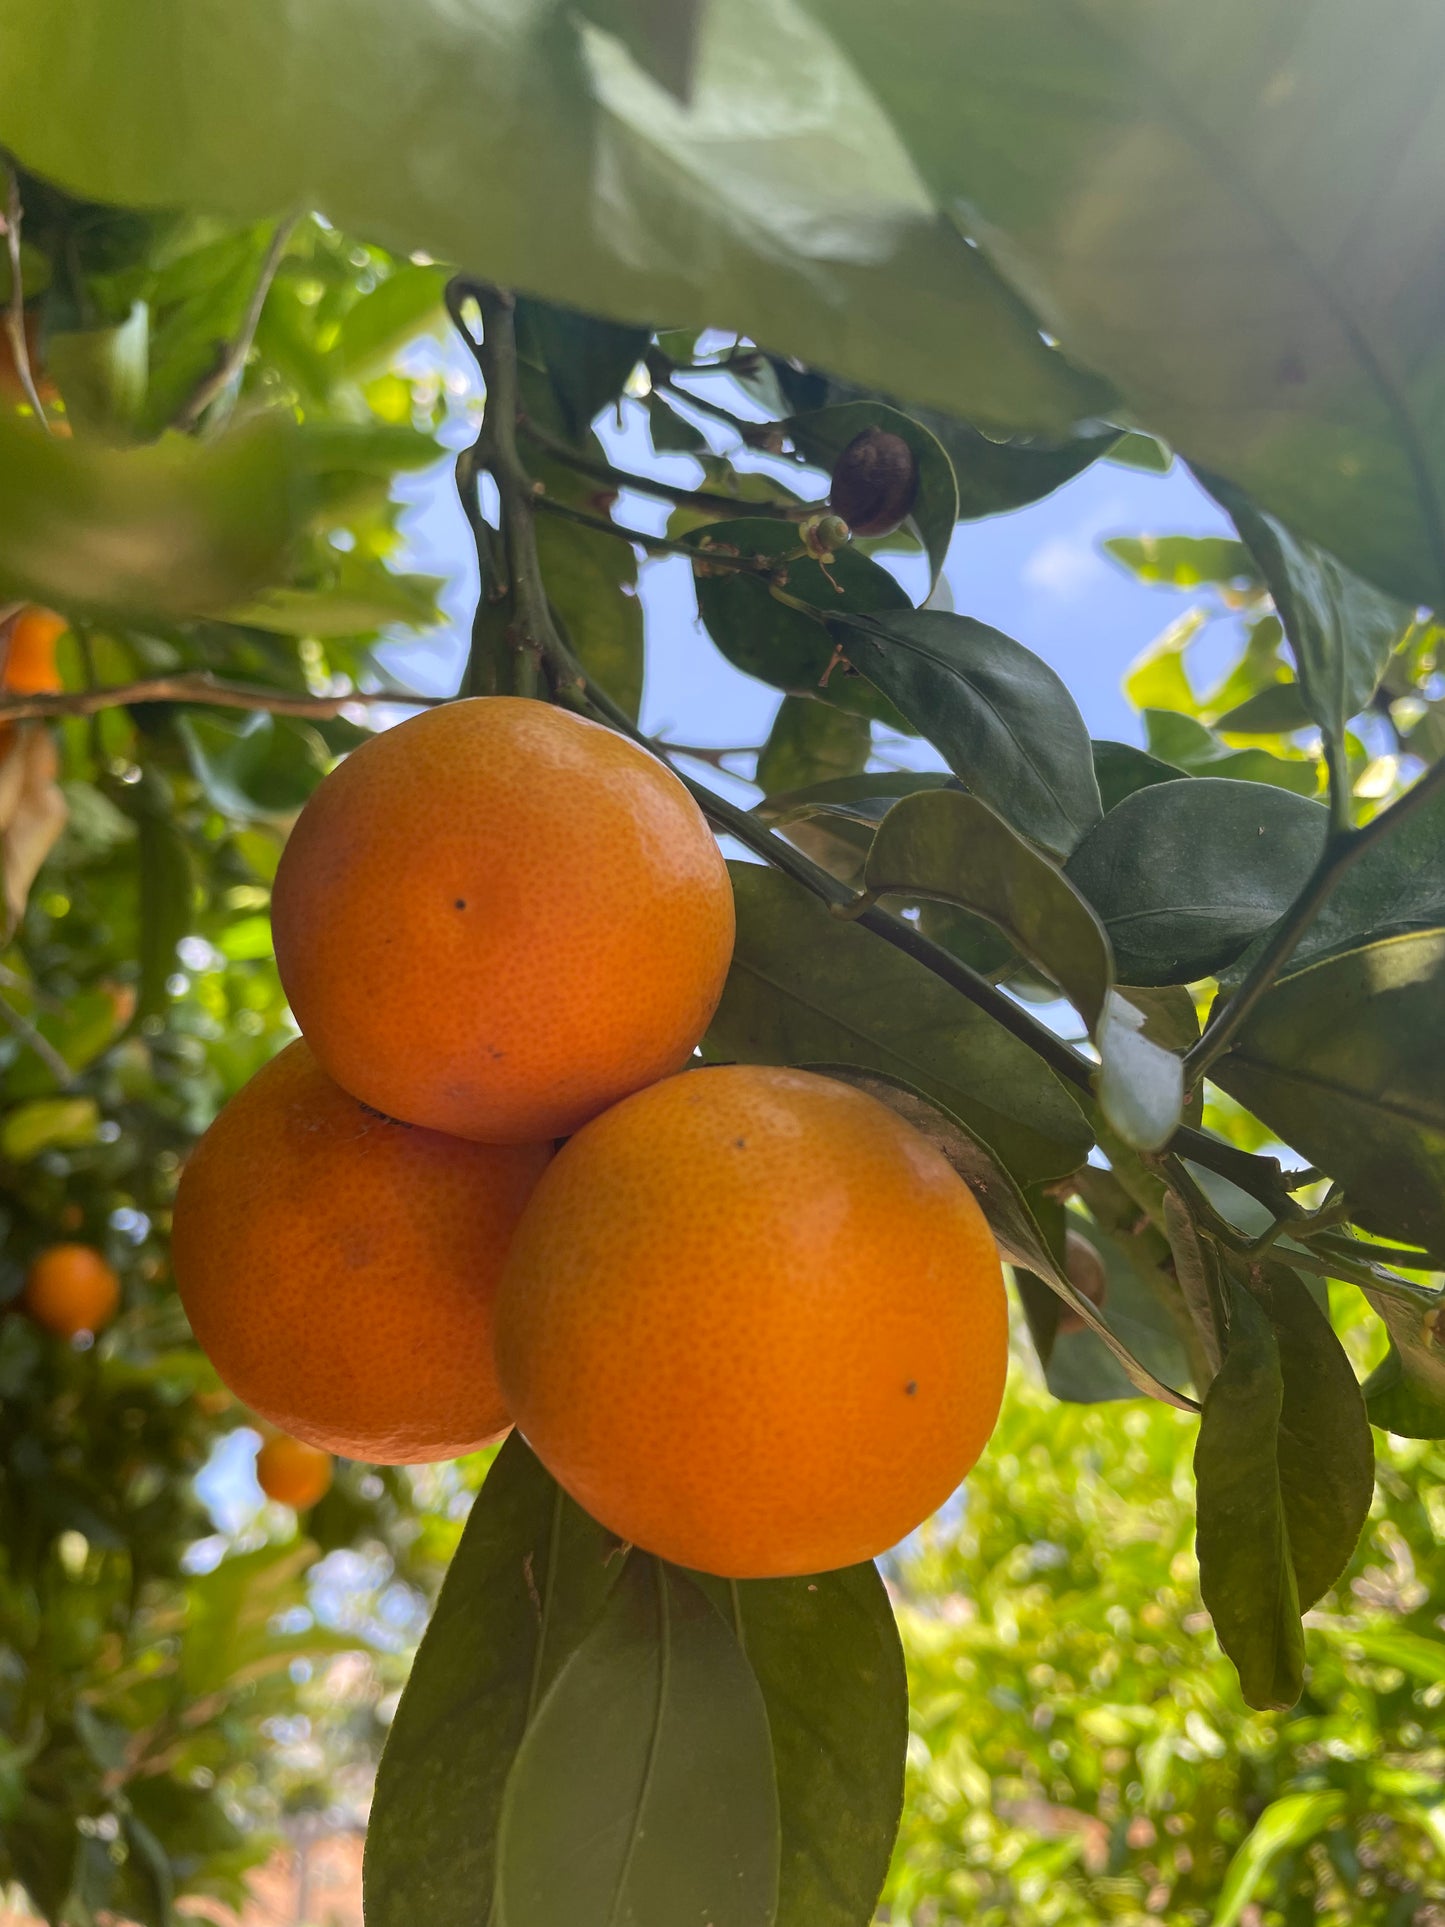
point(102, 373)
point(782, 203)
point(1278, 710)
point(672, 433)
point(1342, 630)
point(29, 1129)
point(254, 765)
point(179, 529)
point(1342, 1059)
point(1286, 1824)
point(408, 303)
point(527, 1582)
point(1103, 154)
point(1120, 769)
point(362, 597)
point(823, 434)
point(591, 583)
point(661, 35)
point(1285, 1472)
point(1185, 561)
point(782, 646)
point(1413, 1653)
point(1002, 720)
point(167, 886)
point(587, 360)
point(1024, 1244)
point(811, 742)
point(644, 1790)
point(1197, 751)
point(1405, 1394)
point(1184, 874)
point(807, 988)
point(825, 1652)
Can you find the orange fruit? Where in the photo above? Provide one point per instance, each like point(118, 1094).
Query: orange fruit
point(292, 1472)
point(70, 1288)
point(340, 1269)
point(754, 1322)
point(497, 919)
point(28, 667)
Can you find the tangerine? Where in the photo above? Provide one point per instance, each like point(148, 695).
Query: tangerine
point(29, 653)
point(70, 1288)
point(292, 1472)
point(339, 1268)
point(498, 918)
point(753, 1322)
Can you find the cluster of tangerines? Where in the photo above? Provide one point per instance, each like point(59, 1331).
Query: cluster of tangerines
point(747, 1317)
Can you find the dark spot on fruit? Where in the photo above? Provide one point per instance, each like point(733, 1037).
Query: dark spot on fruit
point(461, 903)
point(911, 1387)
point(741, 1143)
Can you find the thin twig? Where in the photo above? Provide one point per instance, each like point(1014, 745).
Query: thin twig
point(1341, 850)
point(42, 1047)
point(15, 308)
point(702, 498)
point(233, 360)
point(201, 687)
point(702, 753)
point(663, 544)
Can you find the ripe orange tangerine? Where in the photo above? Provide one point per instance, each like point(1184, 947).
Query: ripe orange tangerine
point(753, 1322)
point(28, 667)
point(498, 918)
point(70, 1288)
point(292, 1472)
point(340, 1268)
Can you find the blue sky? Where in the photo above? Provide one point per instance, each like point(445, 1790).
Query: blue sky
point(1039, 574)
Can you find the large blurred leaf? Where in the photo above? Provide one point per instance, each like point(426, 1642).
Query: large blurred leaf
point(1342, 630)
point(765, 638)
point(823, 434)
point(806, 988)
point(826, 1653)
point(1285, 1473)
point(1178, 193)
point(1342, 1060)
point(1004, 722)
point(1184, 874)
point(179, 529)
point(527, 1581)
point(644, 1790)
point(253, 765)
point(780, 203)
point(1286, 1824)
point(1184, 561)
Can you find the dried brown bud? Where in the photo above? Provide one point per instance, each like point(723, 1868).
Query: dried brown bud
point(875, 482)
point(1086, 1274)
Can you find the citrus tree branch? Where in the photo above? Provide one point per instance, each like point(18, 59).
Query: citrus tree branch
point(702, 498)
point(15, 307)
point(1342, 848)
point(233, 360)
point(201, 688)
point(658, 544)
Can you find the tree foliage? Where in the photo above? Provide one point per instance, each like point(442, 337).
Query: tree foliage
point(1021, 238)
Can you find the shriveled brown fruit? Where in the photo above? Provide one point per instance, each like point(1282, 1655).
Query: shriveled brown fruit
point(1086, 1274)
point(875, 482)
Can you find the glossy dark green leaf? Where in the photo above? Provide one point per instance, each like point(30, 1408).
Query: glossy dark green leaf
point(826, 1653)
point(1398, 884)
point(644, 1791)
point(587, 359)
point(1185, 561)
point(782, 646)
point(823, 434)
point(1195, 749)
point(179, 529)
point(1342, 630)
point(807, 987)
point(1105, 153)
point(811, 742)
point(1342, 1060)
point(1285, 1471)
point(1003, 721)
point(1183, 875)
point(994, 476)
point(1278, 710)
point(527, 1582)
point(1024, 1243)
point(1120, 769)
point(782, 204)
